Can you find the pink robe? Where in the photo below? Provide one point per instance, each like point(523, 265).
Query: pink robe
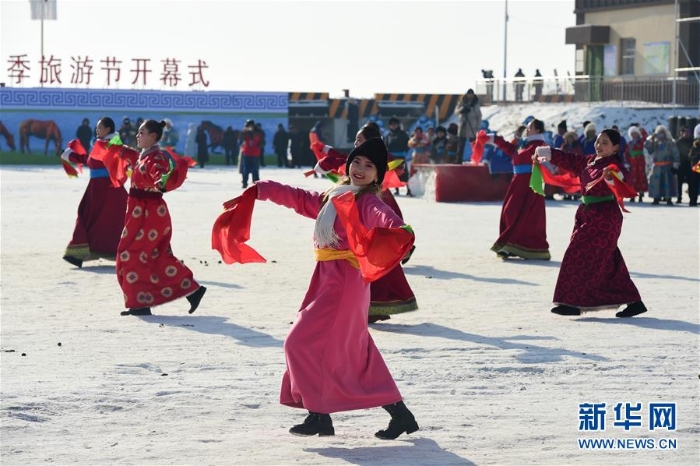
point(332, 362)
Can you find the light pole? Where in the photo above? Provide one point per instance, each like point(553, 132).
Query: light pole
point(43, 10)
point(505, 52)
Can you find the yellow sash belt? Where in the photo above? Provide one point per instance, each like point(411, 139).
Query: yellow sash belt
point(335, 254)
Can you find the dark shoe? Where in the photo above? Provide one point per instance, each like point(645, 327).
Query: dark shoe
point(503, 254)
point(244, 185)
point(402, 421)
point(631, 199)
point(137, 311)
point(73, 260)
point(372, 318)
point(408, 256)
point(314, 424)
point(564, 310)
point(669, 202)
point(656, 202)
point(679, 201)
point(195, 298)
point(632, 310)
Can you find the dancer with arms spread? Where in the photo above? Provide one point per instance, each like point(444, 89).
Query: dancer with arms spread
point(593, 274)
point(333, 364)
point(147, 270)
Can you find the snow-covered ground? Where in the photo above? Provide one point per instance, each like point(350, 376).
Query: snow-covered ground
point(492, 376)
point(506, 118)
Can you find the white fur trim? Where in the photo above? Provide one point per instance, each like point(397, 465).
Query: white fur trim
point(696, 132)
point(66, 154)
point(324, 233)
point(544, 152)
point(535, 137)
point(319, 170)
point(632, 130)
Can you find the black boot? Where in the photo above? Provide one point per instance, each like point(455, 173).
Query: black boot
point(314, 424)
point(73, 260)
point(137, 311)
point(632, 310)
point(402, 420)
point(195, 298)
point(564, 310)
point(372, 318)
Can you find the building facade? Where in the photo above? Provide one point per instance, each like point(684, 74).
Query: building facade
point(649, 49)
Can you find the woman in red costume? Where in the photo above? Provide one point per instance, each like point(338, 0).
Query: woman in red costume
point(148, 272)
point(593, 274)
point(523, 227)
point(101, 210)
point(636, 161)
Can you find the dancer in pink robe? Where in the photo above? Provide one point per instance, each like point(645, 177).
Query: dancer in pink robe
point(332, 362)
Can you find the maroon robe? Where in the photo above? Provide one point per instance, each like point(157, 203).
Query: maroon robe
point(391, 294)
point(100, 215)
point(523, 227)
point(593, 273)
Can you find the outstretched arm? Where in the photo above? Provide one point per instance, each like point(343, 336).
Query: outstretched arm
point(303, 202)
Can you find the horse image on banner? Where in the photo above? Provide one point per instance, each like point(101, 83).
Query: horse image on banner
point(47, 130)
point(215, 133)
point(9, 138)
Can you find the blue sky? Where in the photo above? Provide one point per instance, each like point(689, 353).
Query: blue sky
point(313, 46)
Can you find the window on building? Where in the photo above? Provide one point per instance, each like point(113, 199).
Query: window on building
point(628, 47)
point(580, 68)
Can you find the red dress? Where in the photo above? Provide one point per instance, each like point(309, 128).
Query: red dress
point(523, 227)
point(391, 294)
point(100, 215)
point(148, 272)
point(638, 166)
point(593, 273)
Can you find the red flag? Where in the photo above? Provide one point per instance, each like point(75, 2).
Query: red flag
point(566, 180)
point(378, 250)
point(619, 188)
point(74, 147)
point(179, 164)
point(478, 146)
point(69, 169)
point(232, 229)
point(391, 180)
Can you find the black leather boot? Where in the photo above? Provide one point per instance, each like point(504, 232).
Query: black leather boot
point(137, 311)
point(632, 310)
point(402, 420)
point(195, 298)
point(74, 260)
point(314, 424)
point(564, 310)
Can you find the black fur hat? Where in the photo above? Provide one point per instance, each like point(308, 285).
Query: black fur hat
point(375, 150)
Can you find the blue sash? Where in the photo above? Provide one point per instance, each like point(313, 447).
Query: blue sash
point(522, 169)
point(99, 173)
